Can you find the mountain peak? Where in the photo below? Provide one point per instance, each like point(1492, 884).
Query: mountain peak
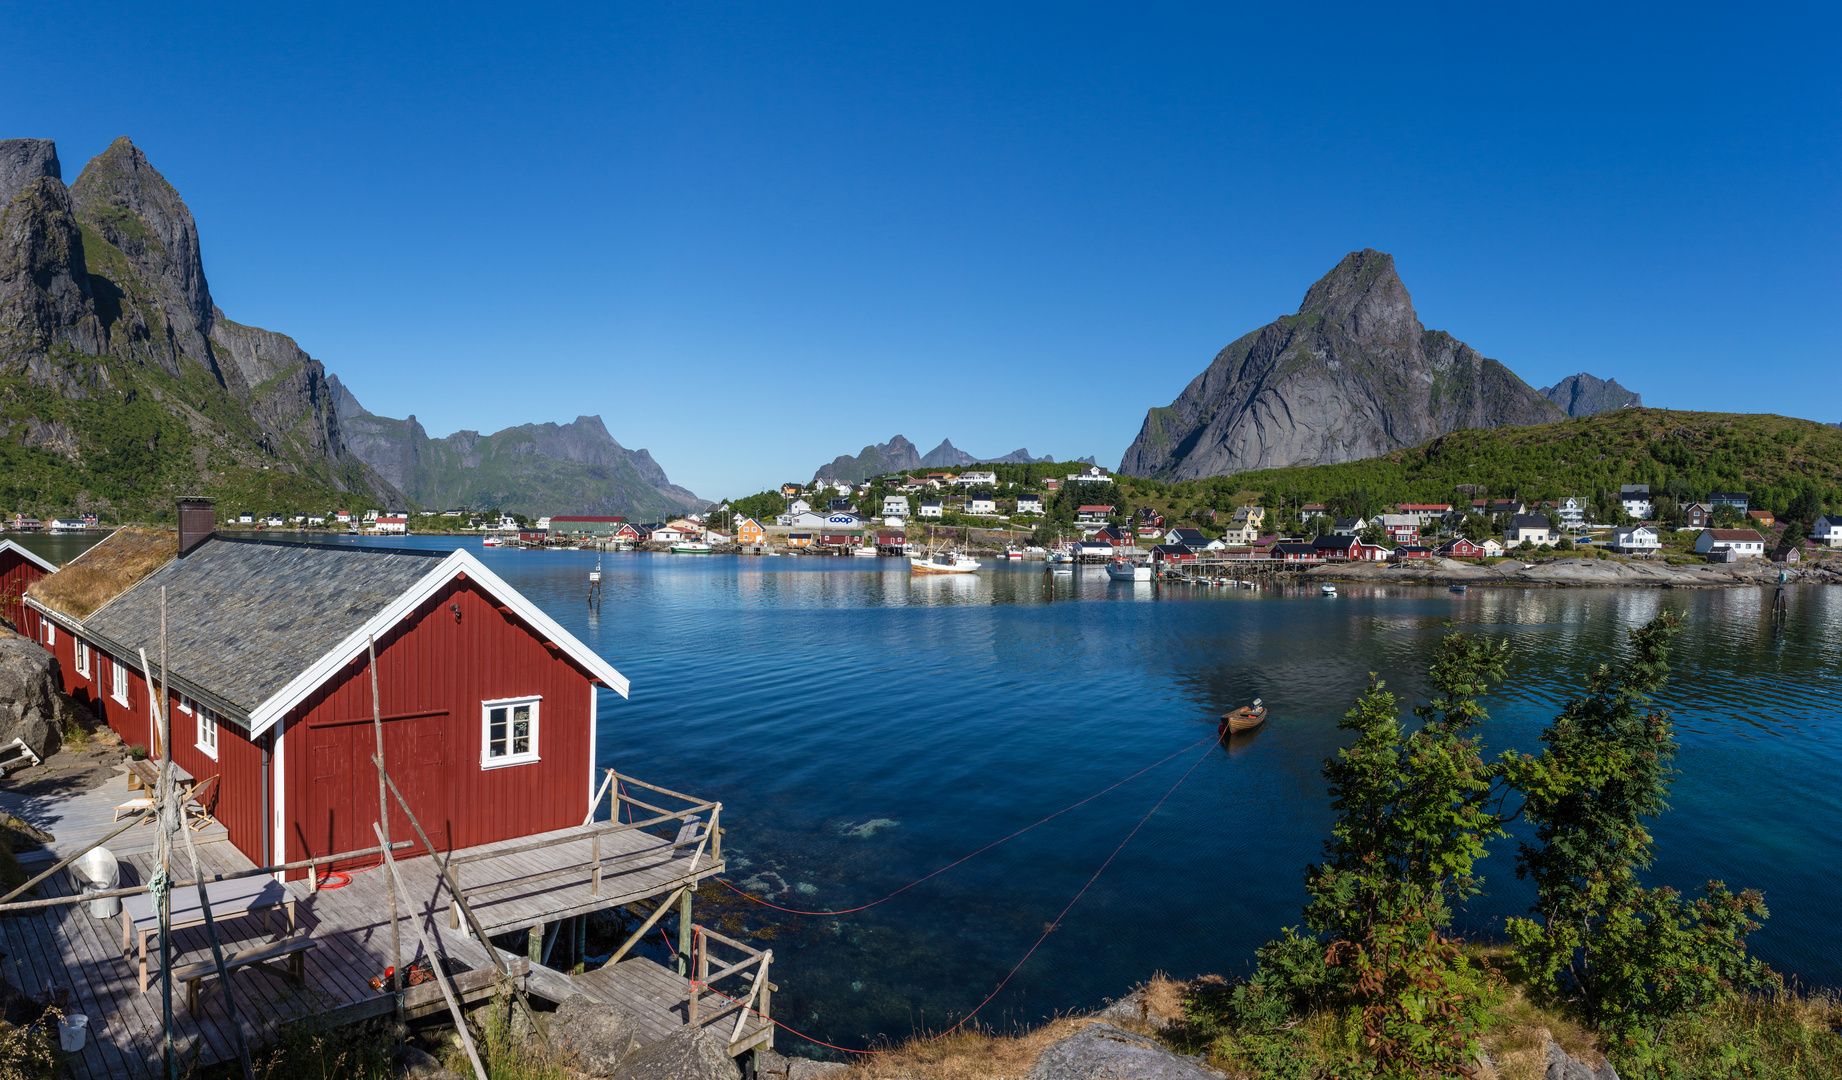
point(23, 161)
point(1366, 292)
point(1584, 395)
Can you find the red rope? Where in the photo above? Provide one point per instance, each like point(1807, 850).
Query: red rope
point(1050, 929)
point(981, 851)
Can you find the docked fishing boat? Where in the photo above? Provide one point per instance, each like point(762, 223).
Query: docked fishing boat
point(942, 562)
point(1245, 718)
point(1123, 569)
point(1455, 588)
point(690, 547)
point(491, 541)
point(1061, 557)
point(864, 551)
point(1328, 589)
point(1013, 552)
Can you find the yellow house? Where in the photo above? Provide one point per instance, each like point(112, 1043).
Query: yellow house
point(749, 531)
point(799, 540)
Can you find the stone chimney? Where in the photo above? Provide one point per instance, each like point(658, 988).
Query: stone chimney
point(197, 521)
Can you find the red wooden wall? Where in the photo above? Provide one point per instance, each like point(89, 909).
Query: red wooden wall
point(433, 674)
point(16, 573)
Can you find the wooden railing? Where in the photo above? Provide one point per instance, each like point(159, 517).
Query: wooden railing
point(752, 997)
point(693, 832)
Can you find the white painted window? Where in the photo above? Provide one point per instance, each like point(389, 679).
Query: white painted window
point(118, 680)
point(207, 731)
point(83, 658)
point(48, 632)
point(508, 733)
point(185, 704)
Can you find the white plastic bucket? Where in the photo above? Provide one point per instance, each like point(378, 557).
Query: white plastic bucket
point(72, 1030)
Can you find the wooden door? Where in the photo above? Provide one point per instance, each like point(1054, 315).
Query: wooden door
point(341, 799)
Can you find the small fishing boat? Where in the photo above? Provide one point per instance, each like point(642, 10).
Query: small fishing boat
point(1328, 589)
point(1455, 588)
point(1245, 718)
point(942, 562)
point(864, 551)
point(1123, 569)
point(1013, 552)
point(690, 547)
point(492, 541)
point(1061, 557)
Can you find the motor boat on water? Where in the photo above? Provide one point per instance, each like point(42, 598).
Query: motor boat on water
point(864, 551)
point(1013, 552)
point(690, 547)
point(1061, 557)
point(1245, 718)
point(942, 562)
point(1455, 588)
point(1328, 589)
point(491, 541)
point(1123, 569)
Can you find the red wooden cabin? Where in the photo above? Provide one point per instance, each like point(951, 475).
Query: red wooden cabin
point(488, 705)
point(19, 568)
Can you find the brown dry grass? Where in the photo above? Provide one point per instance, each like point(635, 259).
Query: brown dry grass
point(103, 572)
point(966, 1055)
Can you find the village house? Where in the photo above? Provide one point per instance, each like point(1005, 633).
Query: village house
point(1460, 548)
point(393, 523)
point(789, 490)
point(1115, 536)
point(1052, 485)
point(579, 526)
point(667, 534)
point(895, 506)
point(1401, 528)
point(799, 540)
point(1528, 528)
point(981, 504)
point(1571, 513)
point(749, 531)
point(975, 478)
point(1743, 543)
point(1296, 553)
point(1827, 530)
point(1635, 499)
point(1426, 513)
point(1349, 526)
point(1409, 552)
point(1256, 515)
point(1762, 519)
point(280, 709)
point(628, 534)
point(1091, 514)
point(1192, 539)
point(24, 523)
point(1312, 510)
point(1697, 516)
point(1739, 500)
point(1029, 504)
point(19, 568)
point(839, 503)
point(1171, 553)
point(931, 508)
point(1637, 540)
point(1093, 474)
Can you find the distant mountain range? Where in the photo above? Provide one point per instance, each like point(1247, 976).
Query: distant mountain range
point(530, 469)
point(122, 383)
point(898, 454)
point(1352, 375)
point(1584, 395)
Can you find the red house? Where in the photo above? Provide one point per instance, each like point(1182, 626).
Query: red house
point(19, 568)
point(1460, 548)
point(488, 705)
point(1411, 551)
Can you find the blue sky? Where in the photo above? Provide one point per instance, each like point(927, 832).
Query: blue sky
point(755, 237)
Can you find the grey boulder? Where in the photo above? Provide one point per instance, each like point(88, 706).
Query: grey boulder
point(1104, 1050)
point(686, 1054)
point(29, 697)
point(410, 1063)
point(1562, 1066)
point(599, 1037)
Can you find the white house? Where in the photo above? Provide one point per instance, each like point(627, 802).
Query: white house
point(981, 504)
point(1635, 498)
point(1639, 540)
point(665, 534)
point(1828, 530)
point(798, 506)
point(1093, 474)
point(895, 506)
point(1492, 548)
point(930, 508)
point(1093, 514)
point(392, 523)
point(1350, 526)
point(1029, 504)
point(1532, 528)
point(1744, 543)
point(246, 518)
point(1193, 539)
point(343, 516)
point(274, 521)
point(1572, 512)
point(976, 478)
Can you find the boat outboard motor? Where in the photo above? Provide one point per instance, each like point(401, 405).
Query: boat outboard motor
point(100, 873)
point(1256, 703)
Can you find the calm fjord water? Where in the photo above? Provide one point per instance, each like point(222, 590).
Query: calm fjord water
point(864, 727)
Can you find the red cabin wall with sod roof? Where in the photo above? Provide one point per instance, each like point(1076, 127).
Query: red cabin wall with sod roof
point(17, 572)
point(457, 650)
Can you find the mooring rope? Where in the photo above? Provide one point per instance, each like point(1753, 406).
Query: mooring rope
point(980, 851)
point(1047, 930)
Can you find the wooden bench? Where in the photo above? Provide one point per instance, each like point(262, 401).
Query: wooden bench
point(261, 958)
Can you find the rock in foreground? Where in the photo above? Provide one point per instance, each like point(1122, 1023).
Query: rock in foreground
point(1104, 1050)
point(28, 695)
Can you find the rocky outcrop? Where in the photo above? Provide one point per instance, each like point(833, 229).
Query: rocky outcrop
point(1104, 1050)
point(45, 300)
point(598, 1038)
point(1352, 375)
point(691, 1053)
point(948, 456)
point(29, 696)
point(1584, 395)
point(898, 454)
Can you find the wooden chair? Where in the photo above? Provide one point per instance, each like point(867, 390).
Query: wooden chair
point(197, 817)
point(133, 806)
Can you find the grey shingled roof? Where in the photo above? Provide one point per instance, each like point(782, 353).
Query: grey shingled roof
point(244, 617)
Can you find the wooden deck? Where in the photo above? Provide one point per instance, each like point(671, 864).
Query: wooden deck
point(81, 819)
point(65, 946)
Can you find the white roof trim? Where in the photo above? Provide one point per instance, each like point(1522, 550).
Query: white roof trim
point(270, 712)
point(31, 557)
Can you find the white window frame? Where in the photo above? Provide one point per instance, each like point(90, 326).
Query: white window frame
point(206, 723)
point(83, 657)
point(531, 755)
point(48, 632)
point(118, 680)
point(185, 704)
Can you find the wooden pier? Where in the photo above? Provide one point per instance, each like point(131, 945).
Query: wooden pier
point(511, 886)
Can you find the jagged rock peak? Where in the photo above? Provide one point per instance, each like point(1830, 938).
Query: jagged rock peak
point(1584, 395)
point(896, 454)
point(1365, 293)
point(345, 404)
point(23, 161)
point(121, 179)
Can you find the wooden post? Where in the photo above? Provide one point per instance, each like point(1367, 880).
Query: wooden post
point(684, 925)
point(594, 888)
point(716, 834)
point(435, 965)
point(665, 904)
point(534, 943)
point(695, 988)
point(767, 990)
point(383, 818)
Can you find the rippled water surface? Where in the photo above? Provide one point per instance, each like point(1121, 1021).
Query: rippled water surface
point(864, 728)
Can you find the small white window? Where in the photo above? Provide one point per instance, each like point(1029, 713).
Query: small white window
point(207, 731)
point(50, 633)
point(83, 658)
point(185, 704)
point(118, 680)
point(508, 732)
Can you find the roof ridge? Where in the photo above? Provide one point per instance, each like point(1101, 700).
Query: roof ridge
point(256, 541)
